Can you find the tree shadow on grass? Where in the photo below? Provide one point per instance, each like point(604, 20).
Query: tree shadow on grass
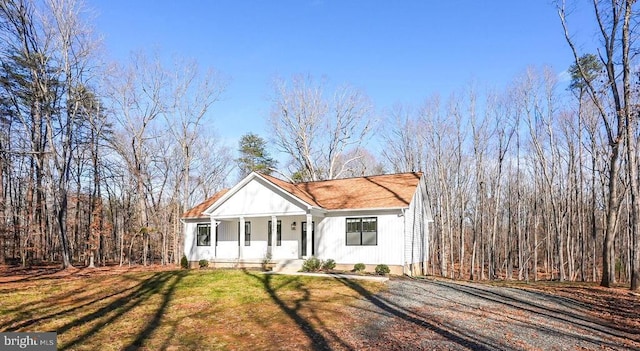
point(163, 283)
point(317, 339)
point(24, 319)
point(466, 340)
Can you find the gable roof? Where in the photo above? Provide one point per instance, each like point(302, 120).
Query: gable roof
point(371, 192)
point(196, 212)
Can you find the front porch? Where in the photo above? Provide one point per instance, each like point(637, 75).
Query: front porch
point(249, 241)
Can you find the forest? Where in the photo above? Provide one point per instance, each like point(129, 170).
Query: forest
point(98, 161)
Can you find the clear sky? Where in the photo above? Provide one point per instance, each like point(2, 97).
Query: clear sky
point(396, 51)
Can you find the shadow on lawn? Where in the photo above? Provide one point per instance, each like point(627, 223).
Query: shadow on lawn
point(92, 310)
point(317, 338)
point(163, 283)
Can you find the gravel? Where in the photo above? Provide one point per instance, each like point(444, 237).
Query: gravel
point(446, 315)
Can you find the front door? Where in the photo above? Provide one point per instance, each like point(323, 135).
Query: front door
point(304, 239)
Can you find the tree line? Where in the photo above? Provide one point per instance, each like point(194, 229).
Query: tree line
point(98, 161)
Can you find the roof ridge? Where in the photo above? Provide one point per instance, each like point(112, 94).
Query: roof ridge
point(347, 178)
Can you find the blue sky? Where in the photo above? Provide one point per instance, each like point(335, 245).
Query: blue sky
point(396, 51)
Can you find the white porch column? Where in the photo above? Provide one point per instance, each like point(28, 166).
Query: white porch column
point(274, 232)
point(241, 242)
point(213, 237)
point(309, 235)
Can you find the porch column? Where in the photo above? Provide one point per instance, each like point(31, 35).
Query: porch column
point(213, 236)
point(241, 241)
point(274, 232)
point(309, 235)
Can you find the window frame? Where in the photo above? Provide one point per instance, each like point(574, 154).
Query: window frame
point(198, 235)
point(247, 233)
point(278, 233)
point(360, 222)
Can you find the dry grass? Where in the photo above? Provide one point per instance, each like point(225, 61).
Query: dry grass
point(118, 309)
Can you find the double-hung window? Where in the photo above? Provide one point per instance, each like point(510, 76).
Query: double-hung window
point(204, 234)
point(247, 233)
point(362, 231)
point(278, 233)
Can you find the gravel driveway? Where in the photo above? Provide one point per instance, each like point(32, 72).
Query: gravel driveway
point(446, 315)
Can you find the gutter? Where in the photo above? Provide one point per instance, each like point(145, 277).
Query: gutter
point(402, 209)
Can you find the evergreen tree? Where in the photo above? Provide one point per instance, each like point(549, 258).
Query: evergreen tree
point(254, 156)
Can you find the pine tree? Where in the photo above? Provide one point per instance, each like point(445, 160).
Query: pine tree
point(254, 156)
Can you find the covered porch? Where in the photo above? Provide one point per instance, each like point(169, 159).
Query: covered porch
point(254, 239)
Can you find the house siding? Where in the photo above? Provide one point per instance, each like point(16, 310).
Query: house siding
point(191, 250)
point(416, 235)
point(332, 242)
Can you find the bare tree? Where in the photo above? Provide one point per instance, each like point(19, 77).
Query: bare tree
point(364, 163)
point(614, 22)
point(192, 95)
point(315, 130)
point(49, 57)
point(138, 99)
point(402, 145)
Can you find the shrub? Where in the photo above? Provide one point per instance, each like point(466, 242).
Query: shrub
point(184, 262)
point(359, 267)
point(312, 264)
point(382, 269)
point(266, 262)
point(328, 264)
point(203, 263)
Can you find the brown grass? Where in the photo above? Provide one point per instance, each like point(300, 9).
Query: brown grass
point(160, 309)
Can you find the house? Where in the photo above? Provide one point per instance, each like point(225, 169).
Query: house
point(373, 220)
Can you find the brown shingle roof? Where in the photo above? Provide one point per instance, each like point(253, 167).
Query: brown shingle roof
point(196, 212)
point(383, 191)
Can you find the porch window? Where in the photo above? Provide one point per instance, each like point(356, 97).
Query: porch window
point(247, 233)
point(362, 231)
point(278, 233)
point(204, 234)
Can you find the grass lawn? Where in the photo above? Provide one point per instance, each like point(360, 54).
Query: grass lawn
point(111, 309)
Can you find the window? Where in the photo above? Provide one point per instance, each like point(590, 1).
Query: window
point(362, 231)
point(204, 235)
point(247, 233)
point(278, 233)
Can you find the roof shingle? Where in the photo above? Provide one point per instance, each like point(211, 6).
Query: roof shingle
point(383, 191)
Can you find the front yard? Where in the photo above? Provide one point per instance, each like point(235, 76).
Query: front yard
point(180, 310)
point(168, 309)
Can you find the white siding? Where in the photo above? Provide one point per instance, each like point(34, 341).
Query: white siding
point(331, 243)
point(191, 250)
point(417, 218)
point(257, 198)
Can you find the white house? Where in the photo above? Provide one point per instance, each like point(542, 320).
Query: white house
point(372, 220)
